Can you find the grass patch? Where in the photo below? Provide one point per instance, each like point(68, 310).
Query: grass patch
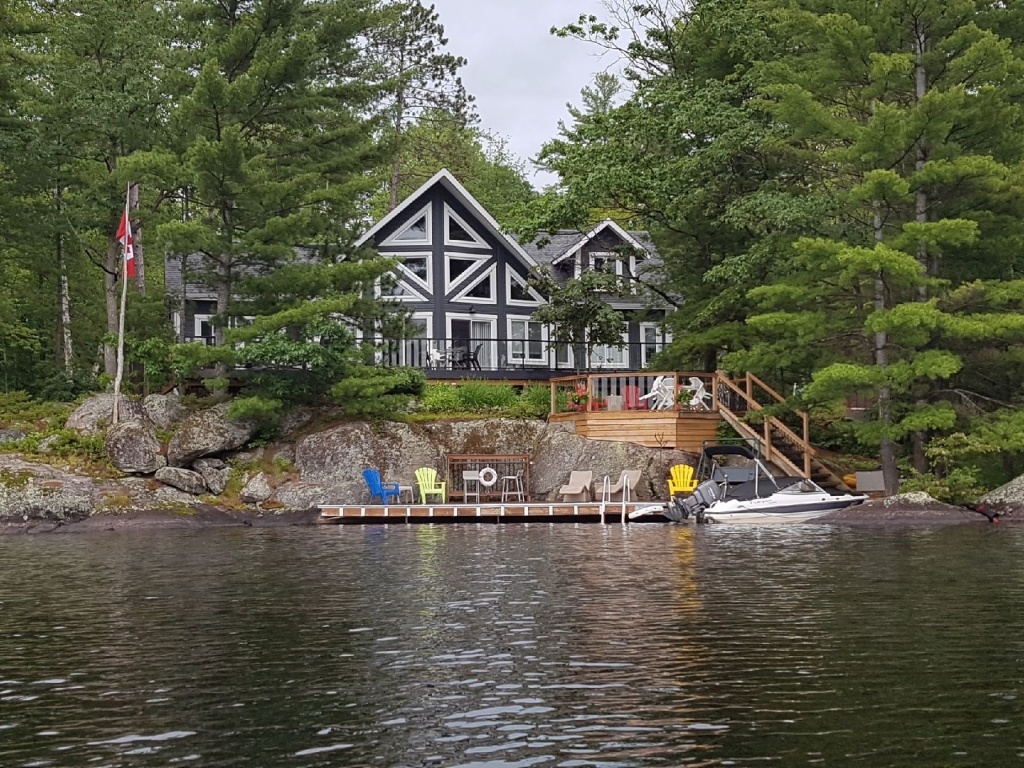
point(474, 399)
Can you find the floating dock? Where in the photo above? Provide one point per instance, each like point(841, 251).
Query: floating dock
point(560, 511)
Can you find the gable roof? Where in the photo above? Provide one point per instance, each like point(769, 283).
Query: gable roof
point(460, 193)
point(556, 247)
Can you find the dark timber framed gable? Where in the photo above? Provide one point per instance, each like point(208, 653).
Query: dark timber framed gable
point(464, 281)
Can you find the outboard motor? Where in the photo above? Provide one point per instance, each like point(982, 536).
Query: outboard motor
point(705, 494)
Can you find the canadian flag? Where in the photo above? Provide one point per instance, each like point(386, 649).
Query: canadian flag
point(124, 236)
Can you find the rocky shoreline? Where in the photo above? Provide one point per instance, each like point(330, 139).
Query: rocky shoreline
point(170, 466)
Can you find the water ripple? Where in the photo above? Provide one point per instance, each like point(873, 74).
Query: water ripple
point(513, 646)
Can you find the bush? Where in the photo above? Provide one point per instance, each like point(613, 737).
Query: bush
point(959, 487)
point(475, 396)
point(441, 398)
point(20, 409)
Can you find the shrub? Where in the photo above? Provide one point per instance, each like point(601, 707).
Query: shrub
point(475, 396)
point(19, 408)
point(441, 398)
point(959, 487)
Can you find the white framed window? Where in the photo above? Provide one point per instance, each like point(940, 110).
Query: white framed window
point(417, 230)
point(652, 340)
point(526, 341)
point(471, 337)
point(598, 261)
point(458, 232)
point(202, 327)
point(460, 268)
point(518, 291)
point(480, 289)
point(611, 355)
point(414, 274)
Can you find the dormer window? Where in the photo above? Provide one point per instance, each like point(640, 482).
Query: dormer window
point(598, 261)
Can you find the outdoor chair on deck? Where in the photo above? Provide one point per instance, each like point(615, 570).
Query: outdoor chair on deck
point(578, 487)
point(681, 480)
point(473, 358)
point(662, 396)
point(700, 399)
point(380, 488)
point(631, 399)
point(426, 479)
point(625, 488)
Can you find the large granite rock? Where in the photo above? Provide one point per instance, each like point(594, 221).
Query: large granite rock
point(164, 410)
point(215, 472)
point(94, 414)
point(335, 457)
point(38, 492)
point(257, 490)
point(296, 496)
point(1007, 500)
point(132, 447)
point(207, 433)
point(559, 451)
point(183, 479)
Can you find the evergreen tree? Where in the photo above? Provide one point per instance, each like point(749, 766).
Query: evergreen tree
point(913, 111)
point(421, 87)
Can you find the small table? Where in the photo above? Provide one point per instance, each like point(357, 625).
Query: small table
point(402, 489)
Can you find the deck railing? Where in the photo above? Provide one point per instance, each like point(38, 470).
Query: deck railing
point(644, 391)
point(505, 354)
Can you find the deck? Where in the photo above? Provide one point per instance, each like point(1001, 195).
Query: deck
point(549, 512)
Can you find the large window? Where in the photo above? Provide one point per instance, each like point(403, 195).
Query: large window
point(611, 355)
point(652, 341)
point(526, 341)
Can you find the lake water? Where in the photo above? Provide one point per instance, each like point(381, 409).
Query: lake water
point(514, 646)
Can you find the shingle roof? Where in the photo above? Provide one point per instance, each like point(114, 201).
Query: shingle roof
point(547, 247)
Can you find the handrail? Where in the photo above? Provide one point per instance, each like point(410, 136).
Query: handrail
point(754, 379)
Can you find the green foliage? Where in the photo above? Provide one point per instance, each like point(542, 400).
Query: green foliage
point(378, 392)
point(67, 443)
point(441, 398)
point(22, 410)
point(960, 486)
point(260, 410)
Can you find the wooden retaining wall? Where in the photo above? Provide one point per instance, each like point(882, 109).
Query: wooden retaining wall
point(683, 430)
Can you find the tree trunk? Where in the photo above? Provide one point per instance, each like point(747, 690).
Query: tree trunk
point(65, 313)
point(919, 439)
point(887, 448)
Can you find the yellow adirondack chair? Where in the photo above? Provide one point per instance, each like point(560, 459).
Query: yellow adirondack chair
point(426, 479)
point(681, 480)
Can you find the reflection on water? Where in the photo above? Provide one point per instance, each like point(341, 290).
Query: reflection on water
point(513, 646)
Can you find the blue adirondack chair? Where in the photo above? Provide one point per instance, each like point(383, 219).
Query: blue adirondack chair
point(379, 488)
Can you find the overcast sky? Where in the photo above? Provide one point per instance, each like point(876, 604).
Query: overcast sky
point(521, 75)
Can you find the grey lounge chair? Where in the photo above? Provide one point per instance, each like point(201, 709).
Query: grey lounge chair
point(626, 485)
point(578, 487)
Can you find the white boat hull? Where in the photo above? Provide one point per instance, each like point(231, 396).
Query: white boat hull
point(778, 509)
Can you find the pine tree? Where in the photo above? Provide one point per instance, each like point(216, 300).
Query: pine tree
point(421, 86)
point(913, 112)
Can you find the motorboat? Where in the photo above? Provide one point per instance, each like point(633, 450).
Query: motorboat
point(739, 488)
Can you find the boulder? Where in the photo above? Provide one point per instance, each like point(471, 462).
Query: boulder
point(94, 413)
point(559, 451)
point(337, 456)
point(38, 492)
point(10, 435)
point(297, 496)
point(215, 472)
point(294, 420)
point(183, 479)
point(206, 433)
point(132, 447)
point(256, 490)
point(1008, 497)
point(164, 410)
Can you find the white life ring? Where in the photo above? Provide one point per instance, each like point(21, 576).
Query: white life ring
point(488, 477)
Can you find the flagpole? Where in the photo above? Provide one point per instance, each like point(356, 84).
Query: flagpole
point(115, 416)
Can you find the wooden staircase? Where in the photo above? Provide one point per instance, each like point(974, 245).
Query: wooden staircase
point(786, 447)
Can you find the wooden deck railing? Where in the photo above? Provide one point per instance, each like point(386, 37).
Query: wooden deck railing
point(736, 401)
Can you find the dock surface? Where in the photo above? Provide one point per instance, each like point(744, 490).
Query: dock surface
point(559, 511)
